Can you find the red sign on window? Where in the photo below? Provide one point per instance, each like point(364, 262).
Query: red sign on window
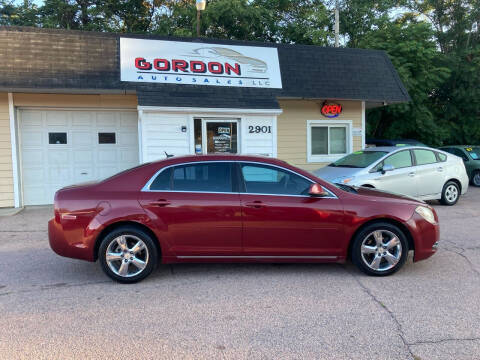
point(331, 110)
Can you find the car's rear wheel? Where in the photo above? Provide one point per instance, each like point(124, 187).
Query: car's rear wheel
point(128, 254)
point(476, 178)
point(450, 193)
point(380, 249)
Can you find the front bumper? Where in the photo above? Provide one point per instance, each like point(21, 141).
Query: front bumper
point(425, 237)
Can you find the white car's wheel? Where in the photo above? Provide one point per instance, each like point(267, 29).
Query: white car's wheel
point(450, 193)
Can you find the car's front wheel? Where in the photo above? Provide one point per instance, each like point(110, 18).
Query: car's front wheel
point(380, 249)
point(450, 193)
point(128, 254)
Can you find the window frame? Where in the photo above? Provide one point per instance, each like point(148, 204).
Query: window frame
point(238, 186)
point(243, 185)
point(420, 149)
point(171, 168)
point(382, 161)
point(347, 124)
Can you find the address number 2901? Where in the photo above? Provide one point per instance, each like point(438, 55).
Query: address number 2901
point(259, 129)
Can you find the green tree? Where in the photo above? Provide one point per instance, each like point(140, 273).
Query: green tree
point(24, 14)
point(415, 56)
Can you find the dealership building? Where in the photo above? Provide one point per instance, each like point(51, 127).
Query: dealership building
point(79, 106)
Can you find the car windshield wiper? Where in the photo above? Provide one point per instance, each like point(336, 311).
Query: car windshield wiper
point(350, 166)
point(347, 188)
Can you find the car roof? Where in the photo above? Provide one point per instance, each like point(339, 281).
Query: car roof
point(220, 157)
point(395, 148)
point(458, 146)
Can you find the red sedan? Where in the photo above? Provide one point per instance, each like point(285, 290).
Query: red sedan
point(235, 209)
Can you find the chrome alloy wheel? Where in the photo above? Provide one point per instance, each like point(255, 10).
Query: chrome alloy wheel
point(381, 250)
point(451, 193)
point(476, 178)
point(127, 255)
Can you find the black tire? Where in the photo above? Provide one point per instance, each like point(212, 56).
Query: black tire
point(450, 193)
point(365, 236)
point(476, 178)
point(148, 254)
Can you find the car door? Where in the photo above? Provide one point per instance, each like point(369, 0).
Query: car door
point(429, 172)
point(280, 219)
point(402, 179)
point(196, 208)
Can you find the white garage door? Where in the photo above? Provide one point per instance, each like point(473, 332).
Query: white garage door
point(60, 148)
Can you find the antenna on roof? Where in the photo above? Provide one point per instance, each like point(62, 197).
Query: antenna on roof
point(168, 155)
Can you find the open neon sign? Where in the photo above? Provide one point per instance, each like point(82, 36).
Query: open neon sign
point(331, 110)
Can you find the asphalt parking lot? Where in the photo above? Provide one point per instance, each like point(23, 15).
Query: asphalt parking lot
point(54, 307)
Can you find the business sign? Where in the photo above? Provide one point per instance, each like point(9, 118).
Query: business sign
point(174, 62)
point(331, 110)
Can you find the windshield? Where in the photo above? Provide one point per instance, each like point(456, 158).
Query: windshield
point(474, 152)
point(359, 159)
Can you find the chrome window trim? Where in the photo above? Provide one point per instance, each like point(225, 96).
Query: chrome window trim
point(146, 187)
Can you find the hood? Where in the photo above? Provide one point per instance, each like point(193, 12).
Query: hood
point(385, 195)
point(331, 173)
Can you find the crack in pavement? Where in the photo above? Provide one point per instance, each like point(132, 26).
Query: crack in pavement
point(461, 253)
point(400, 331)
point(426, 342)
point(53, 286)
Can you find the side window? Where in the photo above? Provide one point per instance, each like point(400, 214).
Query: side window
point(424, 157)
point(441, 157)
point(264, 179)
point(162, 181)
point(399, 160)
point(208, 177)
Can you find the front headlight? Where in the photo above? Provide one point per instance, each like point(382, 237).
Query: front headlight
point(426, 213)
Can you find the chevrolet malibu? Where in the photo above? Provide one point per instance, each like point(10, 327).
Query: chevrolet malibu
point(216, 208)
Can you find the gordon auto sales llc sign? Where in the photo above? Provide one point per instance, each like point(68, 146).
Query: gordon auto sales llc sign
point(175, 62)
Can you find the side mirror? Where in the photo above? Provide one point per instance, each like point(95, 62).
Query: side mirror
point(387, 167)
point(317, 190)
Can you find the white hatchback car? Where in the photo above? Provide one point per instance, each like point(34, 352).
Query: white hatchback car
point(420, 172)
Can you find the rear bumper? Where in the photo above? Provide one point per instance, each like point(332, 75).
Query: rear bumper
point(425, 236)
point(60, 244)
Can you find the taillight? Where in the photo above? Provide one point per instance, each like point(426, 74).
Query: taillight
point(56, 208)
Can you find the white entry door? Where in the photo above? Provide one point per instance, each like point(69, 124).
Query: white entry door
point(60, 148)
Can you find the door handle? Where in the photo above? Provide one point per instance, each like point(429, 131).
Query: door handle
point(160, 203)
point(440, 169)
point(412, 174)
point(256, 204)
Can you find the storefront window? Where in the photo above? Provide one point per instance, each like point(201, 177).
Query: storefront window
point(327, 142)
point(221, 137)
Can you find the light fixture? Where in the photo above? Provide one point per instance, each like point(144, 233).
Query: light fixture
point(201, 5)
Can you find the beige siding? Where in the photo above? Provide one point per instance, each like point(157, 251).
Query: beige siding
point(6, 174)
point(292, 128)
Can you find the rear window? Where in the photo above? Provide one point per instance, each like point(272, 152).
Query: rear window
point(474, 152)
point(359, 159)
